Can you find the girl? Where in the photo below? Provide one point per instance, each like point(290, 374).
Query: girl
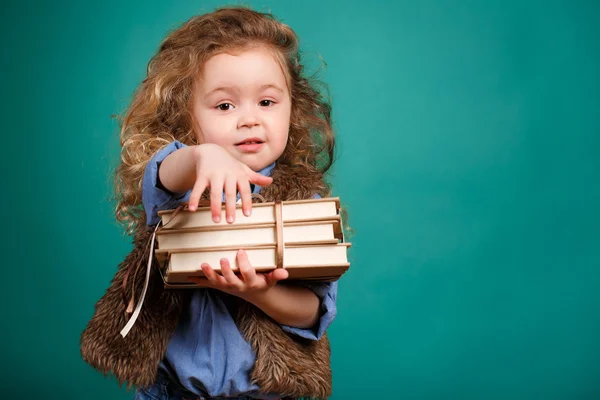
point(225, 109)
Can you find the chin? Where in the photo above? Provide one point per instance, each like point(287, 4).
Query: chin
point(250, 163)
point(255, 162)
point(257, 166)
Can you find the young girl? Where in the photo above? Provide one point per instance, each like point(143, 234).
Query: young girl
point(223, 107)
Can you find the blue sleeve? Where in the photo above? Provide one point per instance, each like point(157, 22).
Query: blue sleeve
point(327, 294)
point(154, 198)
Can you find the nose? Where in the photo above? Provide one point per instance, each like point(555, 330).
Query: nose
point(248, 118)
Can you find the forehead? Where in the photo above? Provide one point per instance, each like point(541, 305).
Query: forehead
point(247, 68)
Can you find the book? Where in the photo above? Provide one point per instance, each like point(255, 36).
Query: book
point(303, 236)
point(249, 235)
point(301, 261)
point(294, 210)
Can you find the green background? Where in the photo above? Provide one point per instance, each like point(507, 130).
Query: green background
point(469, 134)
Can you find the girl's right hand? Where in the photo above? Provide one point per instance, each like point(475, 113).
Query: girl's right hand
point(218, 170)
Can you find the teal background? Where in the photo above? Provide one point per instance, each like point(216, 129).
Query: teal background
point(469, 134)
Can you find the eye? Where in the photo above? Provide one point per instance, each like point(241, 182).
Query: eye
point(266, 103)
point(225, 107)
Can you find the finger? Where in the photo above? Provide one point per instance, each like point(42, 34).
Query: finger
point(232, 280)
point(214, 278)
point(261, 180)
point(257, 178)
point(230, 198)
point(248, 272)
point(246, 196)
point(199, 188)
point(216, 198)
point(276, 275)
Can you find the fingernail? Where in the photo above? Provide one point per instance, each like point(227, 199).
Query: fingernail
point(230, 219)
point(217, 219)
point(241, 252)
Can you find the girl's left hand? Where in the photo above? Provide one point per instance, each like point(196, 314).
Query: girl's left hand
point(250, 282)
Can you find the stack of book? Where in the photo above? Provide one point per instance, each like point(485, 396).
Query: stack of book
point(303, 236)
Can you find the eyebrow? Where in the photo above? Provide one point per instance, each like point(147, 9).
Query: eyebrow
point(229, 89)
point(264, 87)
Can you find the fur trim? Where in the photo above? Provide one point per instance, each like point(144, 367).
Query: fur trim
point(285, 364)
point(135, 358)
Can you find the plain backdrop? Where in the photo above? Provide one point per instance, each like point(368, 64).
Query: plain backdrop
point(468, 134)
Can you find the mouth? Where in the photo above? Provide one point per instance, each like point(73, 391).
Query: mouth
point(250, 141)
point(250, 145)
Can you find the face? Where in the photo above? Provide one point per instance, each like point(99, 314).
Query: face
point(243, 104)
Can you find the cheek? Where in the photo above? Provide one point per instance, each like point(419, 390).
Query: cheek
point(282, 138)
point(282, 119)
point(213, 129)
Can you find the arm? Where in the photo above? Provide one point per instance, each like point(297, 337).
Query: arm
point(304, 308)
point(326, 292)
point(177, 172)
point(288, 305)
point(154, 196)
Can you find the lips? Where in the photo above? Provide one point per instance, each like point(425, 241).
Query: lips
point(253, 140)
point(250, 145)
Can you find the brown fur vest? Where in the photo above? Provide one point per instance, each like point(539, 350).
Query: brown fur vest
point(285, 364)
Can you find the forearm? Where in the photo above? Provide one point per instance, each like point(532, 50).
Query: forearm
point(288, 305)
point(177, 172)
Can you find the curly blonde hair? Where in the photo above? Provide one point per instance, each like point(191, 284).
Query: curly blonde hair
point(161, 108)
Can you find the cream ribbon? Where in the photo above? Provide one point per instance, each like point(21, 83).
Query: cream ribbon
point(138, 307)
